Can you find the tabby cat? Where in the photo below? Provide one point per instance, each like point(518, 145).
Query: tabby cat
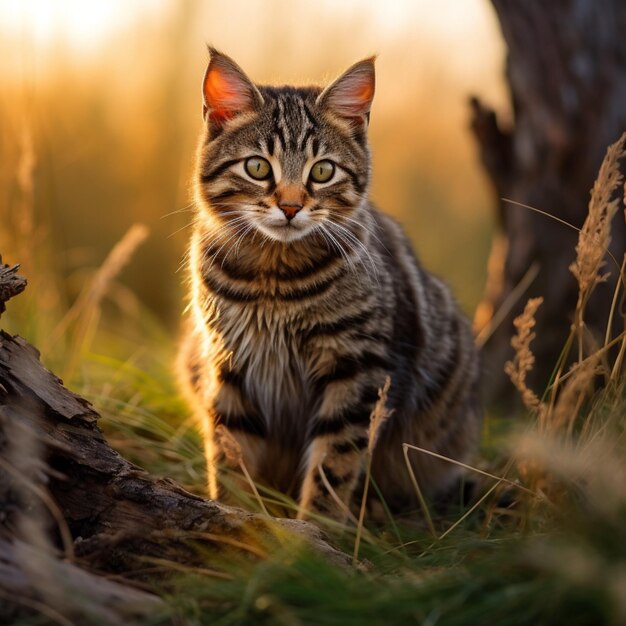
point(304, 299)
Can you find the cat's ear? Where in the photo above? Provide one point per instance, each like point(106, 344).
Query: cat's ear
point(351, 95)
point(226, 90)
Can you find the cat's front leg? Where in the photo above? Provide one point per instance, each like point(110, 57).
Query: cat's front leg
point(336, 450)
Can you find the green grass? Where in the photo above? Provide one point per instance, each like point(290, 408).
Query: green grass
point(465, 580)
point(563, 563)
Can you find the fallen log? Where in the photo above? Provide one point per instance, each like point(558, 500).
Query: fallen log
point(37, 581)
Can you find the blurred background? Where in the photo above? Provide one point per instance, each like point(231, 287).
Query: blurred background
point(100, 111)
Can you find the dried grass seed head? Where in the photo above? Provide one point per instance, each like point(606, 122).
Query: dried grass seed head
point(524, 360)
point(595, 235)
point(379, 416)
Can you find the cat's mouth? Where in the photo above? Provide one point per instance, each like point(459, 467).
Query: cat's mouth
point(285, 232)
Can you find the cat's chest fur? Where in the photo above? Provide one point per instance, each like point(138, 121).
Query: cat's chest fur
point(265, 347)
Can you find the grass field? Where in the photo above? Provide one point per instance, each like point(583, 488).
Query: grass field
point(545, 543)
point(95, 152)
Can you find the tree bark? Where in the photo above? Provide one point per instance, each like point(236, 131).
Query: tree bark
point(566, 71)
point(11, 284)
point(65, 493)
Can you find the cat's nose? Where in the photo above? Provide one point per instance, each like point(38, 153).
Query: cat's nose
point(290, 210)
point(290, 199)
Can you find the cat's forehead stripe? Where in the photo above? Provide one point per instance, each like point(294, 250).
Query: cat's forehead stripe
point(282, 122)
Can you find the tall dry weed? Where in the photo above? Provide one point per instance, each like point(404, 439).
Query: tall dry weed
point(85, 312)
point(234, 455)
point(578, 386)
point(24, 239)
point(595, 235)
point(558, 418)
point(378, 417)
point(524, 359)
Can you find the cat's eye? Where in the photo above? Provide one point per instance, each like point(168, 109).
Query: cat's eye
point(258, 168)
point(322, 171)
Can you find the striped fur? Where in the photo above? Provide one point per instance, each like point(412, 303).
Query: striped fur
point(295, 324)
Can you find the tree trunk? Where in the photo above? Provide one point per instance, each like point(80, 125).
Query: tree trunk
point(65, 493)
point(566, 71)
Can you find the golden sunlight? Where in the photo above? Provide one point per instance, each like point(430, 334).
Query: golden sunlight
point(112, 89)
point(80, 24)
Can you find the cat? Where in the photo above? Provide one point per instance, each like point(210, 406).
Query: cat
point(304, 298)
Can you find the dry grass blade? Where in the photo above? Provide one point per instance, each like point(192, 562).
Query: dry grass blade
point(578, 385)
point(232, 451)
point(595, 235)
point(40, 607)
point(499, 316)
point(469, 511)
point(500, 479)
point(166, 564)
point(418, 491)
point(617, 366)
point(593, 242)
point(524, 359)
point(50, 504)
point(86, 310)
point(378, 417)
point(333, 494)
point(253, 549)
point(119, 256)
point(618, 285)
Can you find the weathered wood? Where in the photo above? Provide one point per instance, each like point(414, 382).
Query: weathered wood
point(34, 581)
point(11, 284)
point(566, 71)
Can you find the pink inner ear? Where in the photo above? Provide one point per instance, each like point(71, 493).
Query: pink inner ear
point(357, 98)
point(351, 95)
point(225, 94)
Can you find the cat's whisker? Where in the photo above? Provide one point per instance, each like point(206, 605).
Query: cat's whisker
point(350, 241)
point(370, 232)
point(184, 261)
point(181, 229)
point(215, 254)
point(358, 242)
point(208, 238)
point(186, 209)
point(237, 245)
point(215, 233)
point(234, 234)
point(350, 255)
point(332, 245)
point(336, 243)
point(239, 225)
